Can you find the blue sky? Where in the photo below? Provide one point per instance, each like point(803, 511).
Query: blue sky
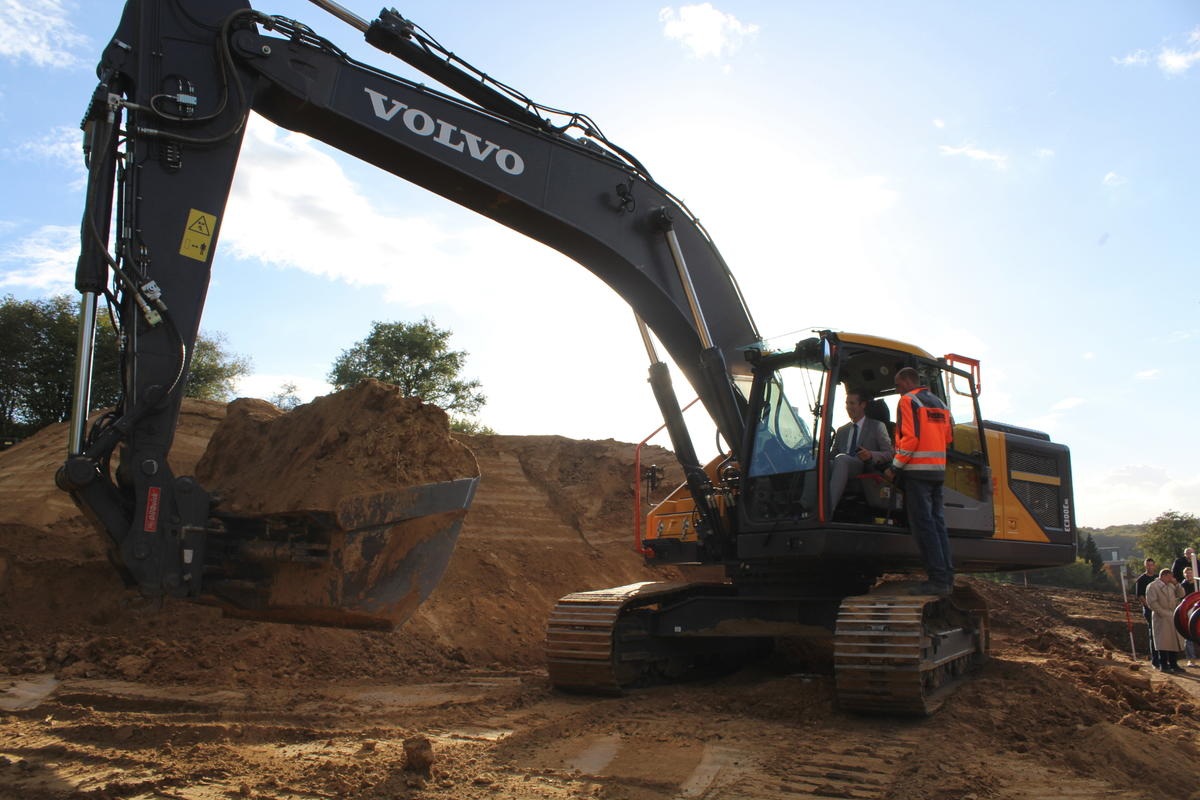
point(1010, 181)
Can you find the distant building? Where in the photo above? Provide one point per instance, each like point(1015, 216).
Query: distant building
point(1115, 565)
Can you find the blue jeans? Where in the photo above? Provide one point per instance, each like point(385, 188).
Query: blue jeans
point(927, 523)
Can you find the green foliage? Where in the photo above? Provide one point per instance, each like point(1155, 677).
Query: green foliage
point(417, 358)
point(1079, 575)
point(1165, 537)
point(37, 359)
point(286, 398)
point(462, 425)
point(1091, 554)
point(214, 371)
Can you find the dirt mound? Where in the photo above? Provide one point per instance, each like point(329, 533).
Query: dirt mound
point(369, 438)
point(551, 516)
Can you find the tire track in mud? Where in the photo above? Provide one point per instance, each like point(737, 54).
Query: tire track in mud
point(808, 769)
point(659, 751)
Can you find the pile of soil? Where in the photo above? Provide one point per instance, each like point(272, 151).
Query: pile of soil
point(369, 438)
point(551, 516)
point(109, 695)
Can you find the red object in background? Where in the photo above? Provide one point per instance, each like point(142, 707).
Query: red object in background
point(1187, 618)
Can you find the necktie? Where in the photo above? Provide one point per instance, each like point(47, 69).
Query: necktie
point(853, 448)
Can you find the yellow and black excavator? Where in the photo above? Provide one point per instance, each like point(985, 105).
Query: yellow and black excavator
point(162, 137)
point(795, 566)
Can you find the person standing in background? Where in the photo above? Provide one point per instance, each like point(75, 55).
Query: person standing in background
point(1162, 597)
point(1143, 581)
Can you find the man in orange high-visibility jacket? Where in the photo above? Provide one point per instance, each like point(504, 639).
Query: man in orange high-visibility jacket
point(924, 430)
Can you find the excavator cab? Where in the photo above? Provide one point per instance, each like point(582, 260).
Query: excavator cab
point(778, 505)
point(791, 450)
point(798, 566)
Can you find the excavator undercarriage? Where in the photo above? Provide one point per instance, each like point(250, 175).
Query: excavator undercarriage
point(893, 652)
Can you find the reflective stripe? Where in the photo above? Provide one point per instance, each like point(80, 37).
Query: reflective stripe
point(924, 429)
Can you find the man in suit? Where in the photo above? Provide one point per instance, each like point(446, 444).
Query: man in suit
point(859, 442)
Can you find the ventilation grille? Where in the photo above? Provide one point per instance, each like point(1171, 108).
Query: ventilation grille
point(1037, 463)
point(1043, 501)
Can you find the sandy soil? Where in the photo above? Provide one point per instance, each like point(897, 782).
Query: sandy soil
point(106, 695)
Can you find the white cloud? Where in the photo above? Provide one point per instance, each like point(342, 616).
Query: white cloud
point(1113, 179)
point(939, 123)
point(1068, 403)
point(1138, 58)
point(286, 182)
point(1044, 152)
point(704, 31)
point(61, 147)
point(1089, 356)
point(974, 153)
point(1146, 374)
point(1133, 493)
point(1175, 337)
point(43, 260)
point(1139, 475)
point(1171, 60)
point(39, 31)
point(1176, 62)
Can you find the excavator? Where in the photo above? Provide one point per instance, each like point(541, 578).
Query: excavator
point(162, 135)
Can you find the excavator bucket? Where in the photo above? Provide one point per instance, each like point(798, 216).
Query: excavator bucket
point(342, 512)
point(368, 562)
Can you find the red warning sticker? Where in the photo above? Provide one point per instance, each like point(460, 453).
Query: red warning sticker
point(152, 502)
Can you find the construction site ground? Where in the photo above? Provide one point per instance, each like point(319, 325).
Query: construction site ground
point(104, 694)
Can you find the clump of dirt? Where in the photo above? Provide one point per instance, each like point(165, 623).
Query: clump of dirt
point(369, 438)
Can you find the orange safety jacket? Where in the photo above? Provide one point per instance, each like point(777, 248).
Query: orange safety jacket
point(924, 430)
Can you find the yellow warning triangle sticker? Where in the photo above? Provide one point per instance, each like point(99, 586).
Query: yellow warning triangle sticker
point(197, 236)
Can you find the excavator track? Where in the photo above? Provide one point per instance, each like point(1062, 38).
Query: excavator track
point(588, 651)
point(896, 653)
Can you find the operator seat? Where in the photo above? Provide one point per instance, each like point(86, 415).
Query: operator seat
point(878, 410)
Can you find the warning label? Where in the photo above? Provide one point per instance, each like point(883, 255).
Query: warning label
point(197, 237)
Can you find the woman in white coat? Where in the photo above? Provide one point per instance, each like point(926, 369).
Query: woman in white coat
point(1162, 597)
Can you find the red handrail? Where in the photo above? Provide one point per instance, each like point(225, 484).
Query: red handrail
point(637, 487)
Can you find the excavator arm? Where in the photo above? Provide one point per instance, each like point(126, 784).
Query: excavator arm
point(163, 134)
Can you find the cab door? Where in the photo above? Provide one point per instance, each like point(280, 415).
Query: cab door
point(967, 495)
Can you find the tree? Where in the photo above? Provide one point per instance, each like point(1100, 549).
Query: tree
point(1166, 536)
point(1091, 554)
point(214, 371)
point(286, 398)
point(37, 359)
point(462, 425)
point(417, 358)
